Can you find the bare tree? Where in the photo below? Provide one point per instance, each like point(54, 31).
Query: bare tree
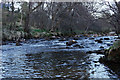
point(29, 10)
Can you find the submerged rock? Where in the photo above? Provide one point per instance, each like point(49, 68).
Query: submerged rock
point(79, 46)
point(109, 44)
point(96, 51)
point(91, 38)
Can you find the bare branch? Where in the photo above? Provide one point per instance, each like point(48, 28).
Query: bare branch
point(39, 4)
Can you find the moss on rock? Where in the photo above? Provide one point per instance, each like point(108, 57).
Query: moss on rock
point(113, 53)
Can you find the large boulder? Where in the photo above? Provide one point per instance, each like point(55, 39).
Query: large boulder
point(113, 53)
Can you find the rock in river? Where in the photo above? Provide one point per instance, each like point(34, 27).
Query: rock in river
point(96, 51)
point(91, 38)
point(62, 39)
point(113, 53)
point(69, 43)
point(77, 45)
point(99, 41)
point(106, 39)
point(18, 44)
point(101, 47)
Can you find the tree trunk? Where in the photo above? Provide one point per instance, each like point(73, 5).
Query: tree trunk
point(27, 17)
point(13, 22)
point(26, 26)
point(118, 18)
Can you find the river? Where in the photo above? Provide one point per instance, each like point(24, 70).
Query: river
point(39, 58)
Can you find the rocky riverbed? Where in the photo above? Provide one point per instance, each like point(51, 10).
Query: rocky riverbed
point(40, 58)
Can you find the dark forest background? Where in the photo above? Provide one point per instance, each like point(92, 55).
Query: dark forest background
point(42, 19)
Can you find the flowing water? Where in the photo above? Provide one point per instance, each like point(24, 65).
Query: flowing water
point(53, 59)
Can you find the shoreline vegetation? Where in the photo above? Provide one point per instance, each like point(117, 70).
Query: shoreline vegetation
point(14, 35)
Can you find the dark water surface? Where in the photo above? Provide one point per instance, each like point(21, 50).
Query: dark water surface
point(53, 59)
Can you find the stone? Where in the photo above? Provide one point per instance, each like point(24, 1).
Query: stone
point(76, 38)
point(106, 39)
point(62, 39)
point(112, 33)
point(96, 51)
point(101, 38)
point(69, 43)
point(91, 38)
point(109, 44)
point(102, 47)
point(112, 54)
point(53, 37)
point(18, 43)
